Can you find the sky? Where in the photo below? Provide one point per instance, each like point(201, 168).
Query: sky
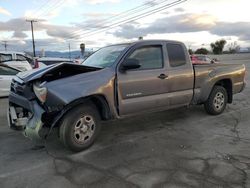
point(97, 23)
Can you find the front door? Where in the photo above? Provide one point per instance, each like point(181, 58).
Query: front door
point(144, 88)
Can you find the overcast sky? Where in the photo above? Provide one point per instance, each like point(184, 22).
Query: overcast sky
point(99, 22)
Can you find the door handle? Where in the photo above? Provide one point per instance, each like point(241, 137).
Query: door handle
point(163, 76)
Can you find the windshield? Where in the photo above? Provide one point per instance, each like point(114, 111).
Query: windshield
point(105, 56)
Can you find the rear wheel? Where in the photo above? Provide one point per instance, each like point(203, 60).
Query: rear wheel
point(80, 127)
point(217, 101)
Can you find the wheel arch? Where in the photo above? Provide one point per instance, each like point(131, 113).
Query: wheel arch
point(227, 84)
point(99, 101)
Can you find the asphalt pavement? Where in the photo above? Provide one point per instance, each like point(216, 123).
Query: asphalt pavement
point(184, 147)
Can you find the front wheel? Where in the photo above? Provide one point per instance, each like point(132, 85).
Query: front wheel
point(80, 127)
point(217, 101)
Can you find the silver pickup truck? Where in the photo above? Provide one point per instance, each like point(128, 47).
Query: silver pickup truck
point(117, 81)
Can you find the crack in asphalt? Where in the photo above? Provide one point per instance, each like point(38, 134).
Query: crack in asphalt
point(231, 159)
point(79, 164)
point(236, 120)
point(204, 177)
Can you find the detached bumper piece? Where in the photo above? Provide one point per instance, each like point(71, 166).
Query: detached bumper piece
point(25, 115)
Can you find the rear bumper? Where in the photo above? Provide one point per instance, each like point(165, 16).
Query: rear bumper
point(26, 115)
point(244, 86)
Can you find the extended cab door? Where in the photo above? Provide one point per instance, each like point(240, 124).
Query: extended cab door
point(180, 75)
point(144, 88)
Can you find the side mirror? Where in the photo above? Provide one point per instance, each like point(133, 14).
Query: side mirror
point(130, 64)
point(212, 61)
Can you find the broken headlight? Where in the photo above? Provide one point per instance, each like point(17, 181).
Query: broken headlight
point(40, 91)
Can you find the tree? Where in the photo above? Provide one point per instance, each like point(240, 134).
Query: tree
point(201, 51)
point(233, 47)
point(218, 46)
point(190, 51)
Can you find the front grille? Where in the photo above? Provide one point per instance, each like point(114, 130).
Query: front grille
point(17, 87)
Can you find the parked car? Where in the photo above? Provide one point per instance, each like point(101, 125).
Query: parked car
point(17, 60)
point(46, 61)
point(7, 73)
point(202, 59)
point(115, 82)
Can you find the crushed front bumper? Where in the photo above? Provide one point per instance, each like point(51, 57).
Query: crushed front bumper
point(25, 115)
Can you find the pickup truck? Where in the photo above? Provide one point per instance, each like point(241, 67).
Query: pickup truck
point(115, 82)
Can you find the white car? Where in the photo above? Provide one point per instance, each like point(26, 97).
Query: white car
point(46, 61)
point(16, 60)
point(7, 73)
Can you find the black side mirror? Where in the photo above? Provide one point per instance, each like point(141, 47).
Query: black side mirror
point(130, 63)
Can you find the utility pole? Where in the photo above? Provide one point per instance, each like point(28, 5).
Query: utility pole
point(5, 44)
point(33, 41)
point(69, 52)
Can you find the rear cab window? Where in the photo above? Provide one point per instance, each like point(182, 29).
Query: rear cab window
point(20, 57)
point(5, 57)
point(176, 55)
point(150, 57)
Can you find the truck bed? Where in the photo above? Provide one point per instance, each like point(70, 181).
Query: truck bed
point(207, 75)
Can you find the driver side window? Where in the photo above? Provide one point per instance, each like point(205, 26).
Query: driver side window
point(149, 57)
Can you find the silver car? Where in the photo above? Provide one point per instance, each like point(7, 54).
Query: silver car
point(6, 75)
point(16, 60)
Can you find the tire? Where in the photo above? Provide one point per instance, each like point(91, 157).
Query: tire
point(217, 101)
point(80, 127)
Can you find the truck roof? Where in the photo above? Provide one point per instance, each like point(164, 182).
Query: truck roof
point(146, 41)
point(12, 52)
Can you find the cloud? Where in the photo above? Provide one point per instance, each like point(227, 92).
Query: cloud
point(183, 23)
point(239, 29)
point(179, 10)
point(187, 23)
point(19, 34)
point(4, 11)
point(97, 14)
point(19, 25)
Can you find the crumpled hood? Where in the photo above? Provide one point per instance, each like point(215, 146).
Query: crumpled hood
point(54, 72)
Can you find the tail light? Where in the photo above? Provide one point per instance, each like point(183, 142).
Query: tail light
point(36, 64)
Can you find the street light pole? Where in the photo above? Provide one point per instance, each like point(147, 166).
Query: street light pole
point(5, 45)
point(33, 41)
point(69, 52)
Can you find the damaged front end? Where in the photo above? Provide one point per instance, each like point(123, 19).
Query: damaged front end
point(24, 111)
point(29, 109)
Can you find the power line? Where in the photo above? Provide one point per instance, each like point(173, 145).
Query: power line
point(128, 14)
point(54, 6)
point(40, 7)
point(148, 13)
point(145, 14)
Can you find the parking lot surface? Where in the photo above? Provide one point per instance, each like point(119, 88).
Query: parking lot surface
point(177, 148)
